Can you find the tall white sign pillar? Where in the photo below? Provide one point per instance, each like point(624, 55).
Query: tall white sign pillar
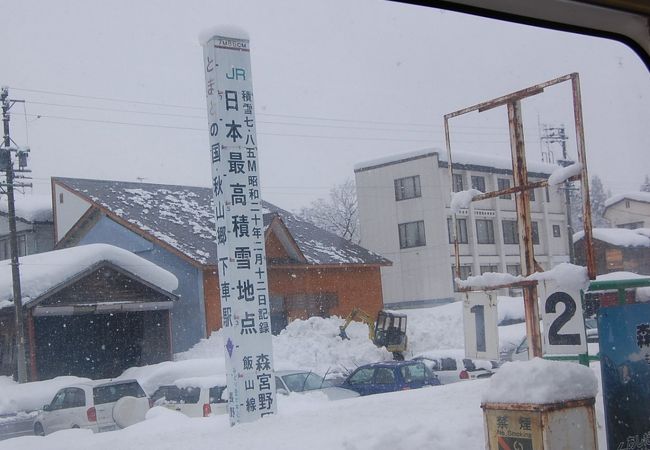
point(244, 294)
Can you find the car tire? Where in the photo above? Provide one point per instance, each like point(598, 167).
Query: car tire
point(38, 429)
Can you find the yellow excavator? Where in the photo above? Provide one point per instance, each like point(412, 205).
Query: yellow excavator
point(389, 330)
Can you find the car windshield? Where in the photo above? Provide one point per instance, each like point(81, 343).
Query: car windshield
point(304, 381)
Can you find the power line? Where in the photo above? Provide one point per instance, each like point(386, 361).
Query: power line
point(310, 136)
point(294, 116)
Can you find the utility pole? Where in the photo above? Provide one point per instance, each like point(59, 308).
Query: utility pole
point(557, 135)
point(6, 164)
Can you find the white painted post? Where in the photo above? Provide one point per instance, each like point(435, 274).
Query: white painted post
point(239, 226)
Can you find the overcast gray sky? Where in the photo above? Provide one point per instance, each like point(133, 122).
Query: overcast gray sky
point(336, 83)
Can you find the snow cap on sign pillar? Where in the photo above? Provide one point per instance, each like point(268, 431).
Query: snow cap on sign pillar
point(230, 31)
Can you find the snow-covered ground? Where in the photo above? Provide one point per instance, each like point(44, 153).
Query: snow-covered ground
point(442, 417)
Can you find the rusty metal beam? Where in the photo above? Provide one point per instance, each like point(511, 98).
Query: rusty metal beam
point(514, 96)
point(454, 230)
point(516, 284)
point(524, 226)
point(584, 176)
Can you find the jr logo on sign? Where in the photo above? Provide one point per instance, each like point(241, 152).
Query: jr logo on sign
point(236, 73)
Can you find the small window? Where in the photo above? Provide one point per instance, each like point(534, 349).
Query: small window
point(513, 269)
point(465, 271)
point(478, 182)
point(504, 183)
point(384, 375)
point(408, 187)
point(74, 398)
point(485, 231)
point(510, 233)
point(61, 198)
point(627, 203)
point(531, 195)
point(461, 230)
point(414, 373)
point(411, 234)
point(548, 195)
point(458, 183)
point(489, 268)
point(535, 229)
point(556, 231)
point(448, 364)
point(362, 376)
point(216, 394)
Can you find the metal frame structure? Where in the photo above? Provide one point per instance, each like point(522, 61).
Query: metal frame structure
point(521, 190)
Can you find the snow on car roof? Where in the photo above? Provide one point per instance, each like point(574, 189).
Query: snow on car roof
point(202, 382)
point(43, 272)
point(183, 217)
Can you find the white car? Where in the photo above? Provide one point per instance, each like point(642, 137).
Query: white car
point(452, 366)
point(91, 406)
point(289, 381)
point(194, 397)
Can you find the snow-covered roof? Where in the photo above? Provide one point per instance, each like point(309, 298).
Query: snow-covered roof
point(621, 237)
point(183, 217)
point(43, 272)
point(462, 160)
point(637, 196)
point(30, 208)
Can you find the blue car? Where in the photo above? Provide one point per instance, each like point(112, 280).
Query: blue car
point(390, 376)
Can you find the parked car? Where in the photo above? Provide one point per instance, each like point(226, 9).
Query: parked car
point(390, 376)
point(88, 405)
point(194, 397)
point(451, 367)
point(591, 328)
point(288, 381)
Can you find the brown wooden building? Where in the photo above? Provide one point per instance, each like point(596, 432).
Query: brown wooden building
point(89, 311)
point(311, 272)
point(617, 249)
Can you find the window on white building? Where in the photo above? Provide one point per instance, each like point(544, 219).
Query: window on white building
point(510, 234)
point(465, 271)
point(478, 182)
point(535, 228)
point(411, 234)
point(461, 230)
point(556, 231)
point(513, 269)
point(485, 231)
point(408, 187)
point(531, 195)
point(458, 184)
point(504, 183)
point(489, 268)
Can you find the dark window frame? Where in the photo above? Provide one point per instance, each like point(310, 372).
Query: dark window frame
point(489, 230)
point(402, 189)
point(510, 236)
point(403, 234)
point(557, 232)
point(504, 183)
point(461, 230)
point(457, 182)
point(478, 182)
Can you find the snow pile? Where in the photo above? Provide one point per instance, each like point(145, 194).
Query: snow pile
point(41, 272)
point(439, 327)
point(567, 276)
point(510, 309)
point(637, 196)
point(168, 372)
point(315, 344)
point(561, 174)
point(488, 279)
point(32, 208)
point(541, 381)
point(31, 396)
point(461, 200)
point(621, 237)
